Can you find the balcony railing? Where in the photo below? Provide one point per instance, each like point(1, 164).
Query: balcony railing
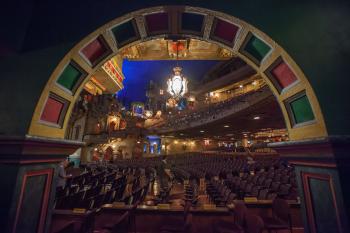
point(216, 112)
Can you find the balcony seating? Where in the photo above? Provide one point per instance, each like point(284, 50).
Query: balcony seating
point(216, 111)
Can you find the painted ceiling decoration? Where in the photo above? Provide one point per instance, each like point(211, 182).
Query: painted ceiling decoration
point(281, 75)
point(162, 49)
point(255, 48)
point(299, 109)
point(157, 23)
point(223, 31)
point(125, 33)
point(95, 51)
point(112, 70)
point(97, 83)
point(93, 88)
point(192, 23)
point(106, 79)
point(71, 77)
point(54, 110)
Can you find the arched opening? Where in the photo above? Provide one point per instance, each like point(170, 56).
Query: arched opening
point(285, 79)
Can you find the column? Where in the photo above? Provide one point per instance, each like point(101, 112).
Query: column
point(322, 169)
point(85, 156)
point(28, 171)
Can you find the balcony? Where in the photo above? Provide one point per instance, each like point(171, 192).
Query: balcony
point(215, 112)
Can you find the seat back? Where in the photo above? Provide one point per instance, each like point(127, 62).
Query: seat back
point(263, 194)
point(188, 224)
point(253, 223)
point(122, 224)
point(280, 209)
point(240, 212)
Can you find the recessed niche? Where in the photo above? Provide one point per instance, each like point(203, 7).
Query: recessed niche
point(125, 33)
point(71, 77)
point(299, 109)
point(157, 23)
point(281, 75)
point(254, 48)
point(54, 110)
point(224, 32)
point(192, 23)
point(96, 51)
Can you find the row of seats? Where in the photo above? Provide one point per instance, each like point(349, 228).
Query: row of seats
point(99, 185)
point(250, 223)
point(265, 185)
point(230, 178)
point(191, 192)
point(199, 165)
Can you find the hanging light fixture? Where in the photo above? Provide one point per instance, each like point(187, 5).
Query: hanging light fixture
point(177, 84)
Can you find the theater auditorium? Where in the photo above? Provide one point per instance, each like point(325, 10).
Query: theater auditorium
point(174, 116)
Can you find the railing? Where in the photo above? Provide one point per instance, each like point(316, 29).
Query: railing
point(217, 112)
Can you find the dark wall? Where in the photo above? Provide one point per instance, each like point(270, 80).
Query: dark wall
point(315, 33)
point(322, 200)
point(32, 196)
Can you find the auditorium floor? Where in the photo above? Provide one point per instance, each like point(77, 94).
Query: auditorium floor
point(146, 221)
point(176, 197)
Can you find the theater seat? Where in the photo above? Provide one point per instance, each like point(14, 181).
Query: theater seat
point(120, 226)
point(280, 219)
point(234, 226)
point(253, 223)
point(176, 227)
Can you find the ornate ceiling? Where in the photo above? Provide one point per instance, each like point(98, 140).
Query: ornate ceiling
point(159, 49)
point(162, 49)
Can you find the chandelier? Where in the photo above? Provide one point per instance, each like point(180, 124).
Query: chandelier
point(177, 84)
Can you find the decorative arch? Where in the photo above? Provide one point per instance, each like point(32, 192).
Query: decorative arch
point(298, 102)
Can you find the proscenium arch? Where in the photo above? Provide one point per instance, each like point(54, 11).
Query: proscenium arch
point(312, 129)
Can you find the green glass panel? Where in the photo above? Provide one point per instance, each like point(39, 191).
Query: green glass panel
point(257, 48)
point(302, 110)
point(124, 32)
point(69, 77)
